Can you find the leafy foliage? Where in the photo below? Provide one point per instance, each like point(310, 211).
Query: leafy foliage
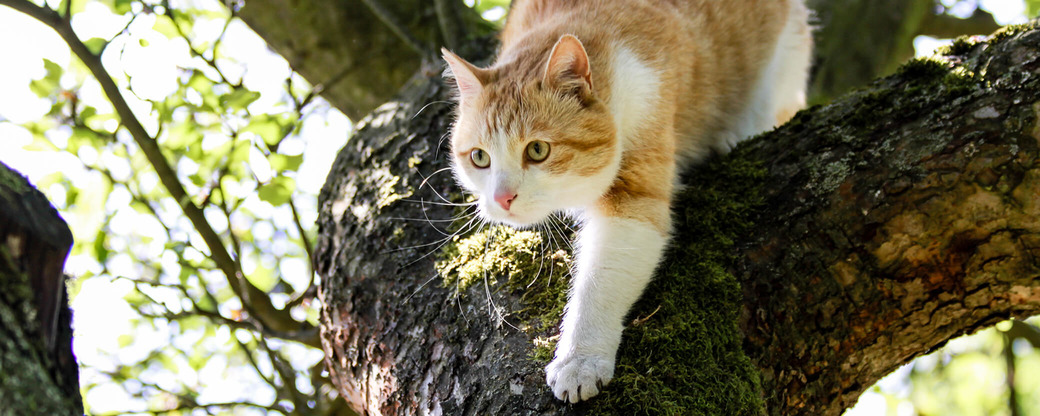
point(189, 342)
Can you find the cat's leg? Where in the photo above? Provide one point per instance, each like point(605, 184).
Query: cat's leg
point(791, 60)
point(780, 90)
point(618, 250)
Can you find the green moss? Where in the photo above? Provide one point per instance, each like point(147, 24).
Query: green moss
point(960, 46)
point(1011, 30)
point(925, 67)
point(528, 263)
point(12, 184)
point(682, 353)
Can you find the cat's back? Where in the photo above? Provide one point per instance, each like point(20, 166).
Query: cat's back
point(727, 38)
point(711, 54)
point(644, 18)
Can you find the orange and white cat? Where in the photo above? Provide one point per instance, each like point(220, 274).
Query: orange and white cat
point(592, 108)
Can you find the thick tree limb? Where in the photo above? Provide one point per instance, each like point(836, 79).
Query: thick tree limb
point(356, 57)
point(40, 375)
point(902, 216)
point(834, 249)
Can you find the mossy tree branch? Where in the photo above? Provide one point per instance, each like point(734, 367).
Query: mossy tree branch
point(40, 375)
point(808, 263)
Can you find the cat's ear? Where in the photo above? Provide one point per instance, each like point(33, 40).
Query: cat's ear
point(568, 66)
point(468, 77)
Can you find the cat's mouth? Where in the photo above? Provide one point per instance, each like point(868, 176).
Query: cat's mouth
point(514, 217)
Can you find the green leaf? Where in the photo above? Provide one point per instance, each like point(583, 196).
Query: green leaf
point(122, 6)
point(268, 127)
point(239, 99)
point(54, 70)
point(282, 163)
point(183, 136)
point(87, 112)
point(51, 81)
point(263, 278)
point(278, 191)
point(95, 45)
point(70, 197)
point(125, 340)
point(165, 27)
point(1032, 8)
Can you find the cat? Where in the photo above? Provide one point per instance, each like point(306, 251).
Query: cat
point(592, 108)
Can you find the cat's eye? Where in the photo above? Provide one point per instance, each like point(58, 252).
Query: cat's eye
point(537, 151)
point(480, 158)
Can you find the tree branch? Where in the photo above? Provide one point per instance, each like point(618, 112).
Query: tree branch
point(256, 299)
point(942, 25)
point(449, 22)
point(394, 25)
point(806, 264)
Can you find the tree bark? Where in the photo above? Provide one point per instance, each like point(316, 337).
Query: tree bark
point(355, 59)
point(40, 375)
point(807, 264)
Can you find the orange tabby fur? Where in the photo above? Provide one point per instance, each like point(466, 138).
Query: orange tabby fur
point(552, 81)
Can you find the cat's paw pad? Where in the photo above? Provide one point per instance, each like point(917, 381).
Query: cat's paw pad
point(577, 377)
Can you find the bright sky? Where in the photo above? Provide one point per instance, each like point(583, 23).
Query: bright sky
point(101, 313)
point(100, 310)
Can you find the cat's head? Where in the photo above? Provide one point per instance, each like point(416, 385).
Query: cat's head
point(531, 138)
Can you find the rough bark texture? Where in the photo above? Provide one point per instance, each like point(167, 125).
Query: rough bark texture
point(903, 215)
point(834, 249)
point(354, 58)
point(39, 373)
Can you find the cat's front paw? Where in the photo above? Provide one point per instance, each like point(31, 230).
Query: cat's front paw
point(577, 377)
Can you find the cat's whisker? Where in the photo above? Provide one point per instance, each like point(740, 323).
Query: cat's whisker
point(426, 219)
point(427, 105)
point(487, 287)
point(541, 259)
point(552, 260)
point(426, 180)
point(559, 225)
point(420, 288)
point(440, 242)
point(440, 143)
point(435, 228)
point(449, 204)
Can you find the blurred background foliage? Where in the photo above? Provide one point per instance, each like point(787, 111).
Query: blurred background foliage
point(165, 326)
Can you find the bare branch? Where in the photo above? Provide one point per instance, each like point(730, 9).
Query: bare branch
point(942, 25)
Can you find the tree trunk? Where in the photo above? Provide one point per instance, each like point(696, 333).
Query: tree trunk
point(807, 264)
point(355, 59)
point(39, 373)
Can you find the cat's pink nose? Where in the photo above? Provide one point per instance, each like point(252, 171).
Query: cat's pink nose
point(505, 198)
